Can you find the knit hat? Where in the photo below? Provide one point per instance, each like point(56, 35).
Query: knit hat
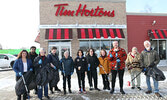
point(134, 48)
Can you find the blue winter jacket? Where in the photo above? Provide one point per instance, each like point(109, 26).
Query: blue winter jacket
point(67, 65)
point(18, 66)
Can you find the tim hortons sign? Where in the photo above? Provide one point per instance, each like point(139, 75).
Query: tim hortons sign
point(82, 11)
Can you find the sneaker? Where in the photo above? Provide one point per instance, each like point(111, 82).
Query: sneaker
point(47, 97)
point(80, 91)
point(122, 91)
point(91, 88)
point(132, 87)
point(138, 88)
point(148, 92)
point(104, 88)
point(158, 95)
point(97, 89)
point(112, 91)
point(84, 92)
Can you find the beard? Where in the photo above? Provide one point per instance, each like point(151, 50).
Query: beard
point(147, 48)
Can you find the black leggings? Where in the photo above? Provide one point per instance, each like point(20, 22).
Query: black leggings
point(105, 80)
point(81, 79)
point(120, 75)
point(92, 75)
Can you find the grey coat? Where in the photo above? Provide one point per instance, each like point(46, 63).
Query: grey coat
point(148, 58)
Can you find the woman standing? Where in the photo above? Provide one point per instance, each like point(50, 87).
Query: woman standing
point(104, 68)
point(40, 62)
point(93, 63)
point(81, 68)
point(133, 65)
point(21, 66)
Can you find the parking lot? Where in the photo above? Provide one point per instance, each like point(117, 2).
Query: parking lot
point(7, 91)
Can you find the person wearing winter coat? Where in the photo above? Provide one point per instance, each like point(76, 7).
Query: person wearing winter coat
point(104, 69)
point(134, 68)
point(67, 68)
point(117, 57)
point(33, 55)
point(149, 58)
point(93, 63)
point(21, 66)
point(81, 69)
point(55, 64)
point(40, 62)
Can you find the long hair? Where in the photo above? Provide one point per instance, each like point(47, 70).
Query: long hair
point(92, 50)
point(81, 52)
point(104, 51)
point(20, 54)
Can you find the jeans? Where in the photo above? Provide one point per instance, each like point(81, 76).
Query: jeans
point(68, 79)
point(40, 91)
point(156, 90)
point(92, 75)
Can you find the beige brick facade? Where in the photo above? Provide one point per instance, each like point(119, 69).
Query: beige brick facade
point(47, 17)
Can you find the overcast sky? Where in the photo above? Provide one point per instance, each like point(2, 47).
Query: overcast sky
point(19, 19)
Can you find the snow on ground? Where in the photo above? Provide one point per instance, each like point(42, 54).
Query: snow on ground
point(7, 92)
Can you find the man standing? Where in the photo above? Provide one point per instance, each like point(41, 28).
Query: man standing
point(117, 57)
point(150, 59)
point(33, 55)
point(54, 61)
point(67, 68)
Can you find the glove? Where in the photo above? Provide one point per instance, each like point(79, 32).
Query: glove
point(88, 67)
point(118, 60)
point(116, 54)
point(63, 72)
point(111, 55)
point(55, 68)
point(71, 73)
point(31, 69)
point(40, 61)
point(130, 68)
point(151, 65)
point(144, 69)
point(20, 74)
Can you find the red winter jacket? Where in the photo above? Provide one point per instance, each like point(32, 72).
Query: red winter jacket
point(121, 54)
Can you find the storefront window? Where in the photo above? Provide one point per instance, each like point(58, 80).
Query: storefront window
point(84, 45)
point(154, 45)
point(162, 49)
point(96, 45)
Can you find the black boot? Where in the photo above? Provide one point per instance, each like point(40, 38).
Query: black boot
point(122, 91)
point(65, 92)
point(108, 85)
point(57, 89)
point(70, 91)
point(112, 91)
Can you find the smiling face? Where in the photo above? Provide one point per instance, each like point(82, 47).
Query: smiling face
point(91, 52)
point(103, 53)
point(115, 44)
point(24, 54)
point(53, 51)
point(80, 53)
point(42, 52)
point(147, 45)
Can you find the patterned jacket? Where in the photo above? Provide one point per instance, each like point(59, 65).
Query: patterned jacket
point(120, 54)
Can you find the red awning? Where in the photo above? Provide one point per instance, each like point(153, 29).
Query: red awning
point(37, 39)
point(158, 34)
point(58, 34)
point(100, 33)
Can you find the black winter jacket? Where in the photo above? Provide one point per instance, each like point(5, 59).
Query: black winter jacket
point(82, 63)
point(93, 61)
point(54, 60)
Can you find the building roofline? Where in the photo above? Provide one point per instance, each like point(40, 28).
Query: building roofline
point(146, 14)
point(115, 1)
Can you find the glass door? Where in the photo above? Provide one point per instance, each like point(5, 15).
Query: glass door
point(61, 48)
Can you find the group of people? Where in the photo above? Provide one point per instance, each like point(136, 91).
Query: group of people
point(113, 63)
